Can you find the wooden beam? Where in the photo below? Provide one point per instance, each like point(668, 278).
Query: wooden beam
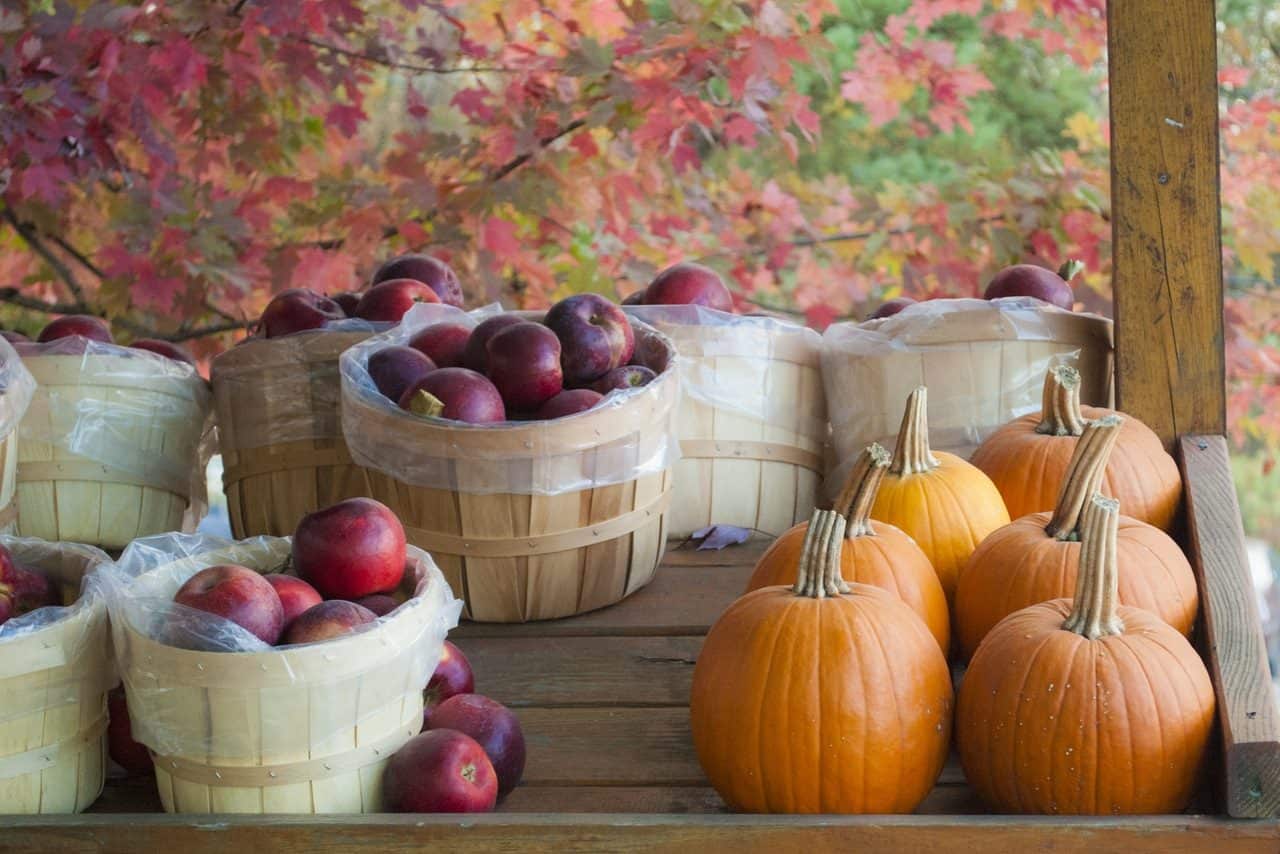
point(1166, 229)
point(1236, 650)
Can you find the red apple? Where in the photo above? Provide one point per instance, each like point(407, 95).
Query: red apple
point(380, 604)
point(84, 325)
point(443, 343)
point(238, 594)
point(164, 348)
point(458, 394)
point(13, 337)
point(295, 595)
point(351, 549)
point(595, 337)
point(424, 268)
point(297, 310)
point(1029, 280)
point(327, 621)
point(124, 751)
point(476, 355)
point(6, 605)
point(389, 300)
point(394, 369)
point(347, 302)
point(30, 589)
point(440, 771)
point(492, 725)
point(636, 298)
point(624, 377)
point(890, 307)
point(688, 283)
point(524, 364)
point(453, 676)
point(569, 402)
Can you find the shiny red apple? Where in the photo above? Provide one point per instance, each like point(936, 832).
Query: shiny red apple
point(453, 676)
point(688, 283)
point(164, 348)
point(238, 594)
point(440, 770)
point(525, 365)
point(351, 549)
point(1029, 280)
point(458, 394)
point(443, 343)
point(84, 325)
point(388, 301)
point(394, 369)
point(297, 310)
point(890, 307)
point(568, 402)
point(595, 337)
point(635, 298)
point(347, 302)
point(427, 269)
point(326, 621)
point(295, 595)
point(624, 377)
point(476, 354)
point(493, 726)
point(123, 750)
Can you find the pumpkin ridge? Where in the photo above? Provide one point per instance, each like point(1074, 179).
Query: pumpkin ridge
point(893, 682)
point(1017, 721)
point(1151, 696)
point(1056, 717)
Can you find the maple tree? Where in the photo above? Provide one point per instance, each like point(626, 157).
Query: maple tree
point(169, 164)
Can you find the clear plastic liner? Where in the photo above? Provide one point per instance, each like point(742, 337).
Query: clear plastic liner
point(47, 654)
point(983, 361)
point(205, 654)
point(701, 334)
point(138, 413)
point(16, 388)
point(628, 435)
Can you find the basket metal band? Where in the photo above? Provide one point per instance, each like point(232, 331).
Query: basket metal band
point(288, 773)
point(559, 541)
point(294, 458)
point(156, 477)
point(720, 449)
point(47, 756)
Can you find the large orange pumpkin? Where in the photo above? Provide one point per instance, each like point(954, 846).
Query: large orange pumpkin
point(1085, 707)
point(1034, 559)
point(825, 697)
point(875, 553)
point(942, 502)
point(1027, 458)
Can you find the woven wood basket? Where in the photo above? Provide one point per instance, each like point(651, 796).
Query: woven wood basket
point(758, 466)
point(515, 556)
point(53, 695)
point(305, 729)
point(9, 483)
point(135, 477)
point(280, 433)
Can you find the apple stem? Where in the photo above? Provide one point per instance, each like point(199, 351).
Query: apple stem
point(818, 575)
point(426, 404)
point(1070, 269)
point(1060, 413)
point(1084, 476)
point(858, 494)
point(912, 454)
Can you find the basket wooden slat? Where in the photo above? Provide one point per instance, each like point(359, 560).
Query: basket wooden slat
point(9, 483)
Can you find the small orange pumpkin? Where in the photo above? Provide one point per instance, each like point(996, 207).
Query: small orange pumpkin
point(1027, 458)
point(875, 553)
point(1085, 707)
point(942, 502)
point(1034, 559)
point(824, 697)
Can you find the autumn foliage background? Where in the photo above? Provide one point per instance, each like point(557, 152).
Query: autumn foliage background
point(171, 164)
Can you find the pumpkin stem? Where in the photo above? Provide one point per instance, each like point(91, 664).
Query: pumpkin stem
point(1084, 476)
point(859, 491)
point(1060, 413)
point(1093, 613)
point(819, 575)
point(912, 454)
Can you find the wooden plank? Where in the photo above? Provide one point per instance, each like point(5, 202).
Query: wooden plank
point(1236, 650)
point(1165, 216)
point(410, 834)
point(609, 747)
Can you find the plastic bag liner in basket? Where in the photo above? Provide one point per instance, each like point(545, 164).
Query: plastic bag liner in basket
point(17, 387)
point(753, 418)
point(114, 445)
point(529, 520)
point(239, 726)
point(983, 361)
point(56, 668)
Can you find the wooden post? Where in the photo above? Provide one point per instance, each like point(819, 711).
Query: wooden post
point(1166, 231)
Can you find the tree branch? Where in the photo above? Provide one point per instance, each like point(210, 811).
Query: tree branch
point(14, 297)
point(403, 66)
point(204, 331)
point(29, 236)
point(516, 162)
point(79, 256)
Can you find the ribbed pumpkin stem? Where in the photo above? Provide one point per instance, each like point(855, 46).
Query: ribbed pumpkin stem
point(819, 575)
point(1093, 613)
point(912, 455)
point(858, 494)
point(1084, 476)
point(1060, 413)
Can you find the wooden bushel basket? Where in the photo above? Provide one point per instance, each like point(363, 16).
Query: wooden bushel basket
point(279, 430)
point(53, 694)
point(759, 471)
point(137, 478)
point(303, 729)
point(515, 556)
point(9, 483)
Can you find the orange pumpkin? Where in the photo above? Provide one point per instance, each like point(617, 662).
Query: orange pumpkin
point(1085, 707)
point(942, 502)
point(875, 553)
point(1034, 559)
point(824, 697)
point(1027, 458)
